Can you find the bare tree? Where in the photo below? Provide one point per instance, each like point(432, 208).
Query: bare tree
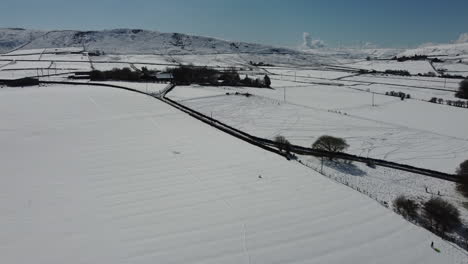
point(283, 143)
point(406, 207)
point(331, 144)
point(442, 215)
point(267, 81)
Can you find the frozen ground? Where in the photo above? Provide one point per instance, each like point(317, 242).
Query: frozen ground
point(413, 67)
point(117, 177)
point(378, 132)
point(438, 83)
point(311, 93)
point(385, 184)
point(456, 68)
point(289, 73)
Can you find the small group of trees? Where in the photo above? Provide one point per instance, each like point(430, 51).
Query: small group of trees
point(398, 94)
point(261, 63)
point(124, 74)
point(457, 103)
point(96, 53)
point(436, 100)
point(416, 57)
point(208, 76)
point(408, 58)
point(398, 72)
point(190, 74)
point(266, 82)
point(325, 143)
point(435, 213)
point(428, 74)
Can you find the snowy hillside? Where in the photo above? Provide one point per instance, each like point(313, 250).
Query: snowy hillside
point(11, 38)
point(124, 41)
point(349, 55)
point(451, 50)
point(118, 177)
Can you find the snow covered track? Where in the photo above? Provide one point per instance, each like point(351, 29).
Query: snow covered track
point(106, 176)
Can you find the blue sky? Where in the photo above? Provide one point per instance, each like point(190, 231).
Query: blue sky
point(393, 23)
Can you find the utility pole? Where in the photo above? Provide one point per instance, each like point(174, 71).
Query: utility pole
point(445, 82)
point(373, 93)
point(284, 94)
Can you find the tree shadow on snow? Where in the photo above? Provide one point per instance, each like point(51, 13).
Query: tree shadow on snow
point(345, 167)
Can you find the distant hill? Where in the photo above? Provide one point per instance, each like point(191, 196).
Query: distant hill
point(11, 38)
point(124, 41)
point(450, 50)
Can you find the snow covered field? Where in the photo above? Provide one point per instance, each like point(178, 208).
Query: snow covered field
point(394, 130)
point(413, 67)
point(98, 175)
point(288, 73)
point(437, 83)
point(385, 184)
point(454, 68)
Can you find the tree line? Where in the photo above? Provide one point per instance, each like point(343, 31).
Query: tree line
point(461, 93)
point(186, 75)
point(124, 74)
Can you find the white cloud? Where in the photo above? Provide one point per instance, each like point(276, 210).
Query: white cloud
point(311, 43)
point(462, 39)
point(307, 39)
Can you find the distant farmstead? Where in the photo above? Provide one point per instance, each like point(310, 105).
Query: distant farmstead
point(164, 76)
